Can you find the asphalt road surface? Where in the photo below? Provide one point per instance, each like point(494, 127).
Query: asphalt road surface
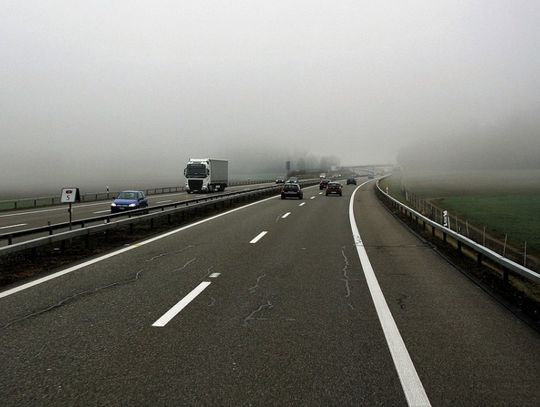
point(280, 302)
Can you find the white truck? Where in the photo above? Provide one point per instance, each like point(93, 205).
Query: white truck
point(206, 175)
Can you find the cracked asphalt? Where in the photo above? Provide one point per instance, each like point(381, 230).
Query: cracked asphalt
point(288, 320)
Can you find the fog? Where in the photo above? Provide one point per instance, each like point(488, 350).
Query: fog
point(122, 93)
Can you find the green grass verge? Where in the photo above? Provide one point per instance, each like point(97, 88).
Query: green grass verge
point(506, 202)
point(515, 215)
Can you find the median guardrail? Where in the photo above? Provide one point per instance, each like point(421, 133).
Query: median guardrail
point(86, 227)
point(29, 203)
point(481, 251)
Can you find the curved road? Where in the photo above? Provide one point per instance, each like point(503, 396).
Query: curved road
point(220, 313)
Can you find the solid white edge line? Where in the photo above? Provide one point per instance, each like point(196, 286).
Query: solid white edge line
point(123, 250)
point(13, 226)
point(410, 382)
point(180, 305)
point(285, 215)
point(258, 237)
point(160, 202)
point(106, 210)
point(61, 208)
point(214, 275)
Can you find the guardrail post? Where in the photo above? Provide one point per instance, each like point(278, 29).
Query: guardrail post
point(479, 258)
point(459, 246)
point(444, 237)
point(10, 239)
point(50, 228)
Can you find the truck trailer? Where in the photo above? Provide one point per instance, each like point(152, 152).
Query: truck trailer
point(206, 175)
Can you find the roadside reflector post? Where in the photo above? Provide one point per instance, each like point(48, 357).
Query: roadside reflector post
point(445, 218)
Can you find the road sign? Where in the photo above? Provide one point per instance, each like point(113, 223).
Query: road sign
point(70, 195)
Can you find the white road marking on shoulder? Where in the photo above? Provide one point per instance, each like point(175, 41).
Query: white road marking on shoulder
point(13, 226)
point(410, 382)
point(214, 275)
point(160, 202)
point(258, 237)
point(302, 204)
point(62, 208)
point(170, 314)
point(285, 215)
point(106, 210)
point(313, 197)
point(320, 193)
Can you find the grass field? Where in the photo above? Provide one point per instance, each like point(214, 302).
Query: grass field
point(506, 202)
point(515, 215)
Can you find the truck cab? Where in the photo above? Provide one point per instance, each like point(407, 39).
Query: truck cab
point(206, 175)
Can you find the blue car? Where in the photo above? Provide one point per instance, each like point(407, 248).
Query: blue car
point(127, 200)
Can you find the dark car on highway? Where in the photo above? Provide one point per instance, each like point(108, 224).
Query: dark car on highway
point(128, 200)
point(333, 188)
point(351, 180)
point(323, 183)
point(292, 190)
point(280, 181)
point(292, 180)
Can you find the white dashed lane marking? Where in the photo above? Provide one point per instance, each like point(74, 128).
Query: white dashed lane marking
point(170, 314)
point(258, 237)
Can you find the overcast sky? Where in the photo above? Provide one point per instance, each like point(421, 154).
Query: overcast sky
point(87, 85)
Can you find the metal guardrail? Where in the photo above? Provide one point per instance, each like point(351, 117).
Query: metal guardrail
point(97, 224)
point(29, 203)
point(480, 250)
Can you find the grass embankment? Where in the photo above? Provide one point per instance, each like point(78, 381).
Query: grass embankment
point(518, 216)
point(505, 202)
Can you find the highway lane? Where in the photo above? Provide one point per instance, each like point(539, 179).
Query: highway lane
point(26, 219)
point(288, 320)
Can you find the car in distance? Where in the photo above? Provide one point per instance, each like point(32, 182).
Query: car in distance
point(292, 180)
point(323, 183)
point(127, 200)
point(280, 180)
point(351, 180)
point(292, 190)
point(333, 188)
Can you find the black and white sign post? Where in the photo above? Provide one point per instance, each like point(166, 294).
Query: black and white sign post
point(70, 195)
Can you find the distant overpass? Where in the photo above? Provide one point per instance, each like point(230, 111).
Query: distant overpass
point(368, 168)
